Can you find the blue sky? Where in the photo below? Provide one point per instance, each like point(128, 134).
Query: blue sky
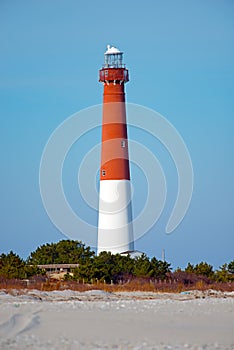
point(180, 55)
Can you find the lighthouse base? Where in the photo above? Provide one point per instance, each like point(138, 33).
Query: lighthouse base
point(115, 231)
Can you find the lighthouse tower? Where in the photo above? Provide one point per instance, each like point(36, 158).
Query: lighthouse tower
point(115, 231)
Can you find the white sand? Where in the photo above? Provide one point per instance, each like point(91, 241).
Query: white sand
point(99, 320)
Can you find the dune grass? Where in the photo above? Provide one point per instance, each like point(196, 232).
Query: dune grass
point(166, 286)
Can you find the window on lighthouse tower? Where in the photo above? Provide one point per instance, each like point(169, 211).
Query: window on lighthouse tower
point(103, 172)
point(123, 143)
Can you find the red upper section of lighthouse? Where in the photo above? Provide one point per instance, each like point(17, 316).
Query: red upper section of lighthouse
point(119, 75)
point(114, 159)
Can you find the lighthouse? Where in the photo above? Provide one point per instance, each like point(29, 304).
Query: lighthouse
point(115, 230)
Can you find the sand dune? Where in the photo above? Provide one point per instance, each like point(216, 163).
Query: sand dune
point(100, 320)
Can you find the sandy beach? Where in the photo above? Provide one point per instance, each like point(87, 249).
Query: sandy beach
point(100, 320)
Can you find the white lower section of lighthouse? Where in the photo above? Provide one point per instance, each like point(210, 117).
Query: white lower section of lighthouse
point(115, 230)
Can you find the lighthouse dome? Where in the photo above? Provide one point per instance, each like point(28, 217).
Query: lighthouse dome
point(111, 50)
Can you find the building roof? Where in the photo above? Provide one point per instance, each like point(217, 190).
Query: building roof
point(57, 266)
point(112, 50)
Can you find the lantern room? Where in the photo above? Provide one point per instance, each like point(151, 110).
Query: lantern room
point(113, 69)
point(113, 58)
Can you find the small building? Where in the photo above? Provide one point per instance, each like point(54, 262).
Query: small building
point(52, 268)
point(133, 254)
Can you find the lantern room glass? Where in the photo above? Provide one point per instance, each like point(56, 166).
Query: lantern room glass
point(114, 60)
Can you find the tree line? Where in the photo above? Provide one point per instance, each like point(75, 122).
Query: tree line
point(106, 267)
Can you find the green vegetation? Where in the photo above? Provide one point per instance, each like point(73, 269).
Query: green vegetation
point(108, 268)
point(201, 269)
point(13, 267)
point(117, 268)
point(63, 252)
point(224, 274)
